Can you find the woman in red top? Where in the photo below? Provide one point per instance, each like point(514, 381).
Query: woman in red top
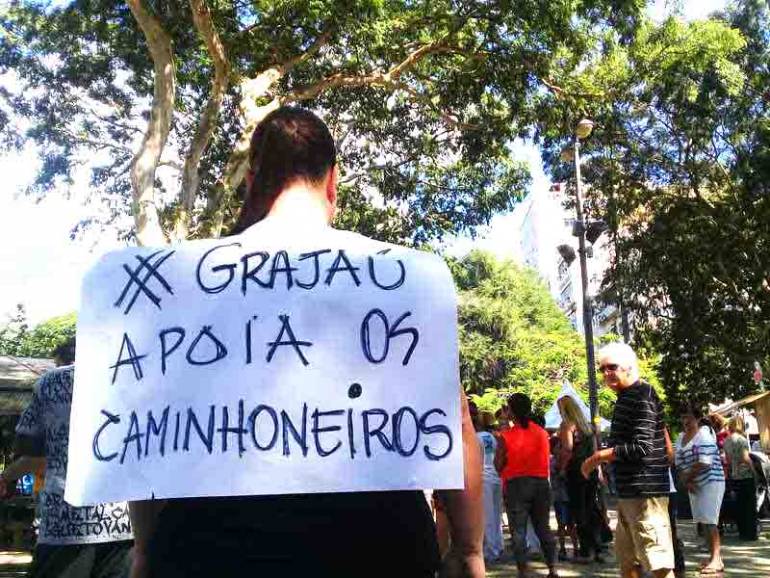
point(523, 460)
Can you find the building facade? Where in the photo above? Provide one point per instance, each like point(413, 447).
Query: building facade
point(541, 224)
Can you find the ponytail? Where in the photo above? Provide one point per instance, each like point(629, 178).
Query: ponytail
point(289, 144)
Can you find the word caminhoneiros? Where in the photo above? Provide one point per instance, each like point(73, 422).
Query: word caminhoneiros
point(268, 429)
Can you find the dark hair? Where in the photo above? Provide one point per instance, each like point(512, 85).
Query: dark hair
point(290, 143)
point(521, 408)
point(65, 351)
point(691, 409)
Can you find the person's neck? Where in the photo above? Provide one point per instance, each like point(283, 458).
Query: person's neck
point(630, 383)
point(300, 205)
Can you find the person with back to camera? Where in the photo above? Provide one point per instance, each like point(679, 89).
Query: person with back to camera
point(565, 525)
point(741, 471)
point(292, 193)
point(523, 462)
point(73, 542)
point(577, 442)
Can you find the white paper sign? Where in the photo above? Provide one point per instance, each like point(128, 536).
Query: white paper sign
point(272, 362)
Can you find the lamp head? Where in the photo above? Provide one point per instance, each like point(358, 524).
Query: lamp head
point(584, 128)
point(595, 230)
point(567, 253)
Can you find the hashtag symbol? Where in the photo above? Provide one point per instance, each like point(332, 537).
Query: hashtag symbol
point(139, 283)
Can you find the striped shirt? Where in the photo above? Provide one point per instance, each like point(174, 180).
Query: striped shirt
point(641, 465)
point(702, 448)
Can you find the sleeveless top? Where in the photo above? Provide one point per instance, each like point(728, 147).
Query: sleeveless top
point(582, 449)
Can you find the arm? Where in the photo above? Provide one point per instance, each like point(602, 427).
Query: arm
point(28, 445)
point(669, 446)
point(687, 477)
point(605, 456)
point(465, 512)
point(746, 458)
point(567, 440)
point(144, 516)
point(501, 455)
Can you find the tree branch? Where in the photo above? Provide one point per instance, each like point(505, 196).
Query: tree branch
point(94, 143)
point(258, 87)
point(312, 50)
point(207, 121)
point(145, 162)
point(252, 90)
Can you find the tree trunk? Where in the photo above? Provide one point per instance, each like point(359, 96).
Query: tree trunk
point(252, 90)
point(238, 162)
point(145, 161)
point(207, 122)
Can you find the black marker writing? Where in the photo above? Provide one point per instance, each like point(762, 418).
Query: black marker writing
point(397, 283)
point(248, 339)
point(299, 436)
point(229, 267)
point(250, 274)
point(220, 351)
point(141, 283)
point(158, 429)
point(134, 435)
point(317, 430)
point(238, 430)
point(391, 332)
point(253, 426)
point(342, 263)
point(111, 419)
point(165, 351)
point(281, 265)
point(133, 359)
point(316, 267)
point(270, 429)
point(207, 438)
point(286, 328)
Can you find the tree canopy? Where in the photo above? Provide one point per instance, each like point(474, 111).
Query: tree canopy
point(678, 166)
point(513, 336)
point(162, 95)
point(17, 339)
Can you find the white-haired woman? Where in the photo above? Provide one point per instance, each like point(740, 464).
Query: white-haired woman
point(576, 438)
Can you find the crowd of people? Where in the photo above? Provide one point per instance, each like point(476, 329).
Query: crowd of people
point(511, 464)
point(528, 469)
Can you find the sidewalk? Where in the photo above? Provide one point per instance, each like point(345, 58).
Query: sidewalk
point(14, 564)
point(749, 559)
point(742, 559)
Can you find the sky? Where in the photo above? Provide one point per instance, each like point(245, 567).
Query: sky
point(41, 266)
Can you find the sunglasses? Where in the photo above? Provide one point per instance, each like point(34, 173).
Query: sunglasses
point(608, 366)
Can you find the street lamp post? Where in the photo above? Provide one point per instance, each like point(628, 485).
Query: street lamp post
point(582, 131)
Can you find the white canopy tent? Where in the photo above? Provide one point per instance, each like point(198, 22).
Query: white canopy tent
point(553, 417)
